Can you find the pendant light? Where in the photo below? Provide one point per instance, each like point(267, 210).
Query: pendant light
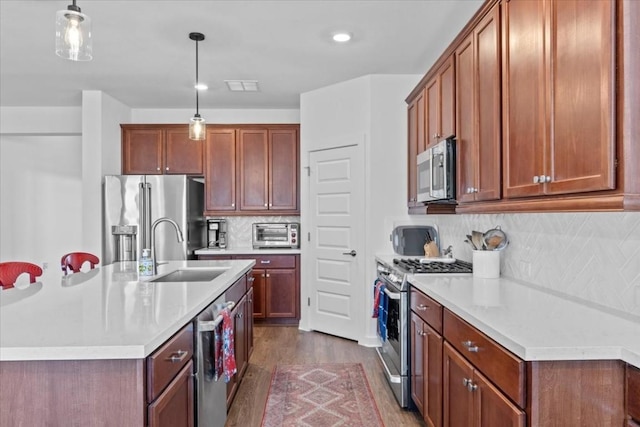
point(73, 34)
point(197, 125)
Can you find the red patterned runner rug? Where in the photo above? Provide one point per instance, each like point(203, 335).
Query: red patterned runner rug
point(320, 395)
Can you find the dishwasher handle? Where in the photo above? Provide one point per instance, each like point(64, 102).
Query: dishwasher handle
point(210, 325)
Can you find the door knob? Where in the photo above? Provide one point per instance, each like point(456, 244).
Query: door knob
point(352, 253)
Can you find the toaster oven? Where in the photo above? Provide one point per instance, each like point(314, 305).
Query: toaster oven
point(276, 235)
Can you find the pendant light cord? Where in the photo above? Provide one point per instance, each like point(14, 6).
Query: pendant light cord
point(197, 99)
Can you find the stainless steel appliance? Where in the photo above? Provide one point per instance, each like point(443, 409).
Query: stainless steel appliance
point(137, 201)
point(216, 233)
point(394, 352)
point(436, 172)
point(276, 235)
point(211, 394)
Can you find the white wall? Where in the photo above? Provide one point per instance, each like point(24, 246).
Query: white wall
point(230, 116)
point(369, 110)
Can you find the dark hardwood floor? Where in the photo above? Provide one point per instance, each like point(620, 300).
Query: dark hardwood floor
point(289, 345)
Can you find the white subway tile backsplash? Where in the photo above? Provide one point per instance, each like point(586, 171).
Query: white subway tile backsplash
point(591, 256)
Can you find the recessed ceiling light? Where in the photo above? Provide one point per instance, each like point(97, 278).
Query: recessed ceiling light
point(242, 85)
point(201, 86)
point(341, 37)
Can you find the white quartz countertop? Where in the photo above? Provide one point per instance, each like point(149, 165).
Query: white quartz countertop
point(246, 251)
point(105, 313)
point(534, 323)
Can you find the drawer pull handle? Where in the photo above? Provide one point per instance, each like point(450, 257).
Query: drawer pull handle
point(470, 347)
point(178, 356)
point(422, 307)
point(251, 279)
point(265, 261)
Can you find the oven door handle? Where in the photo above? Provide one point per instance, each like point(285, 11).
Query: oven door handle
point(392, 295)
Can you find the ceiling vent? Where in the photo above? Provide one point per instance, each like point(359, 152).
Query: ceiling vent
point(242, 85)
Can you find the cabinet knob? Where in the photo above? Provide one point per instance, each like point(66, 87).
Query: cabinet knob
point(158, 169)
point(422, 307)
point(167, 168)
point(233, 205)
point(270, 205)
point(536, 179)
point(547, 179)
point(265, 205)
point(470, 346)
point(268, 275)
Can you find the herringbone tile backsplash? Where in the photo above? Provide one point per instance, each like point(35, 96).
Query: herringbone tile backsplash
point(240, 228)
point(591, 256)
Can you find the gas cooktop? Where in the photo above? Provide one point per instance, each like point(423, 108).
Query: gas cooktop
point(414, 266)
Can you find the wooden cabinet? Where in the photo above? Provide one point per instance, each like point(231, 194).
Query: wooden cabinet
point(439, 101)
point(252, 170)
point(559, 97)
point(170, 382)
point(633, 395)
point(415, 132)
point(471, 400)
point(478, 109)
point(276, 287)
point(220, 170)
point(160, 149)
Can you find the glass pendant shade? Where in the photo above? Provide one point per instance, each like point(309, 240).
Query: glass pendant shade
point(197, 128)
point(73, 35)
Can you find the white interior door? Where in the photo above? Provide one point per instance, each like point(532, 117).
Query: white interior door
point(336, 198)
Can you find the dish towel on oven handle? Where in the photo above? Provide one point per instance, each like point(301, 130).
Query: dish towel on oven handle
point(377, 284)
point(223, 345)
point(382, 303)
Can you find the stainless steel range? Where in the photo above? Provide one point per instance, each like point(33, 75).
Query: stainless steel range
point(394, 352)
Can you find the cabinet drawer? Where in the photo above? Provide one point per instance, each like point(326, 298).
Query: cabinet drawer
point(271, 261)
point(166, 362)
point(633, 392)
point(237, 290)
point(427, 308)
point(503, 368)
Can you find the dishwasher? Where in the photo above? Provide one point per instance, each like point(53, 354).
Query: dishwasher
point(210, 394)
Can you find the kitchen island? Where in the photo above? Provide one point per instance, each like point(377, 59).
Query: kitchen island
point(73, 348)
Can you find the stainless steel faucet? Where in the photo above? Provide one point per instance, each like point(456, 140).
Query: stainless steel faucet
point(153, 238)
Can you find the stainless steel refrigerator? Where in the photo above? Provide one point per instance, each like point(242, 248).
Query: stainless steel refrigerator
point(133, 202)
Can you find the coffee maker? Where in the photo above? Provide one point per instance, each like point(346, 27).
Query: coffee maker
point(216, 233)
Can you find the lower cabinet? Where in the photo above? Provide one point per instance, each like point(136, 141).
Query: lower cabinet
point(633, 396)
point(276, 287)
point(170, 382)
point(471, 400)
point(241, 314)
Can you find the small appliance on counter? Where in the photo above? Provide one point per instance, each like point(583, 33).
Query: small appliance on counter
point(216, 233)
point(276, 235)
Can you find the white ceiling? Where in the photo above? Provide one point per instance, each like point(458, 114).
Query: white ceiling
point(144, 58)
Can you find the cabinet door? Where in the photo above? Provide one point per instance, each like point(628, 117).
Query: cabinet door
point(432, 95)
point(282, 293)
point(412, 132)
point(259, 293)
point(253, 156)
point(283, 169)
point(487, 115)
point(175, 406)
point(581, 46)
point(432, 368)
point(523, 89)
point(220, 170)
point(142, 151)
point(248, 318)
point(446, 99)
point(417, 362)
point(494, 408)
point(466, 143)
point(458, 400)
point(182, 155)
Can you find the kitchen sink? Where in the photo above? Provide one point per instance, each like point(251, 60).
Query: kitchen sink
point(197, 274)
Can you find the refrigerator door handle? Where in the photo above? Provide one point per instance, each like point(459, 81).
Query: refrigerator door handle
point(147, 213)
point(141, 213)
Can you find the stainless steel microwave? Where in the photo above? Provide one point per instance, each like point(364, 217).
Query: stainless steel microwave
point(276, 235)
point(436, 172)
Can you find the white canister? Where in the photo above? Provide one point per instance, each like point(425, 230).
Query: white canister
point(486, 264)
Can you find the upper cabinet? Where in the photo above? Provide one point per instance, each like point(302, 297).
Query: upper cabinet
point(559, 94)
point(252, 170)
point(440, 104)
point(160, 149)
point(546, 107)
point(478, 108)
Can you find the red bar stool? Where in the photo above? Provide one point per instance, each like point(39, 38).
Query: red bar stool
point(9, 272)
point(74, 261)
